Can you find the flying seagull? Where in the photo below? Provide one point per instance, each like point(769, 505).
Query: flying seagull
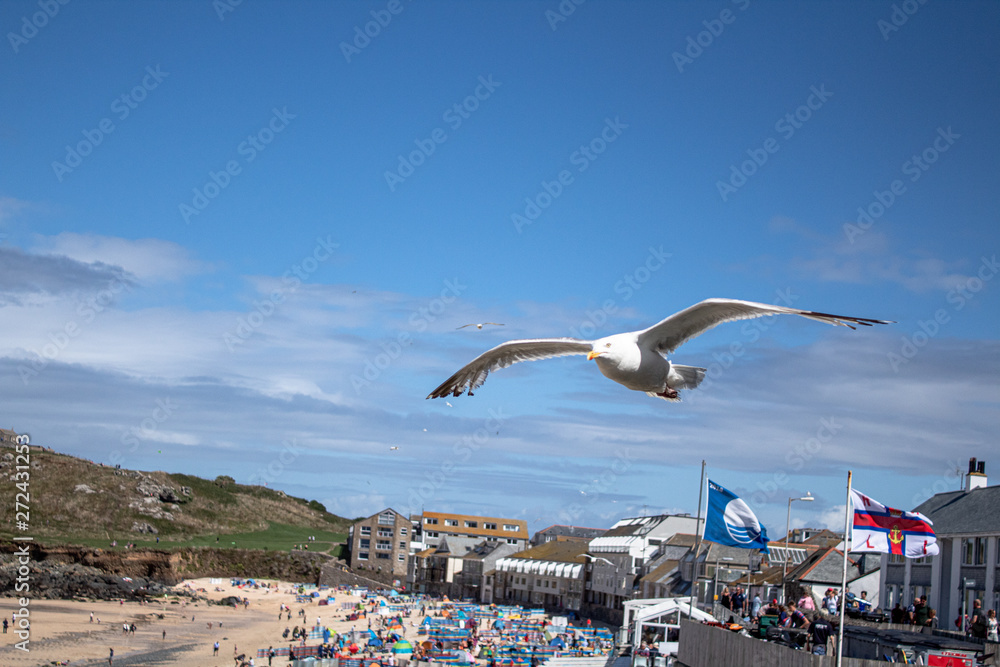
point(480, 325)
point(635, 359)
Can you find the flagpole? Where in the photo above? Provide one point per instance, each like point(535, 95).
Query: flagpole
point(843, 584)
point(697, 540)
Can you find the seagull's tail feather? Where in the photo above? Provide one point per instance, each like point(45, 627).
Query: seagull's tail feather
point(672, 400)
point(692, 376)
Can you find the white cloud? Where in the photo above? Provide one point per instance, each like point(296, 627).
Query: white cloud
point(148, 259)
point(864, 260)
point(833, 518)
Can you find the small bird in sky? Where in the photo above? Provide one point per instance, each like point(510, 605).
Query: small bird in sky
point(394, 448)
point(479, 325)
point(636, 359)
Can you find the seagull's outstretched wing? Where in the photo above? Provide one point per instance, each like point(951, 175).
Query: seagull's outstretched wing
point(473, 374)
point(681, 327)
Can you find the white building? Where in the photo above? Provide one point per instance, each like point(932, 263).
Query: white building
point(967, 525)
point(617, 557)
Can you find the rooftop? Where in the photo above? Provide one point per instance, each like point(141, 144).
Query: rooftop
point(964, 512)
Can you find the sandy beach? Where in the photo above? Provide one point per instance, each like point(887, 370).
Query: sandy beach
point(62, 632)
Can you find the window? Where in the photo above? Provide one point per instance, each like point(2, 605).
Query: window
point(432, 534)
point(402, 544)
point(401, 558)
point(364, 543)
point(509, 527)
point(511, 540)
point(362, 555)
point(974, 551)
point(489, 526)
point(451, 522)
point(385, 545)
point(366, 530)
point(387, 519)
point(402, 531)
point(430, 521)
point(471, 524)
point(382, 556)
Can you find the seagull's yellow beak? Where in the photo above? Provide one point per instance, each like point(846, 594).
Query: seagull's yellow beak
point(592, 355)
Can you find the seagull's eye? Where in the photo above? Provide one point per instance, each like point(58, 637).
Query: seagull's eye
point(607, 345)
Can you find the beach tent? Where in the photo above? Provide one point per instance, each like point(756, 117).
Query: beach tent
point(402, 648)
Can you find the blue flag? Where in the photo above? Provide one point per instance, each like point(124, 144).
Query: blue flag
point(731, 522)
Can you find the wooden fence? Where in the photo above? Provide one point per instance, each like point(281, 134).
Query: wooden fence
point(710, 646)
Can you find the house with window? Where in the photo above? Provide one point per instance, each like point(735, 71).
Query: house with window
point(561, 532)
point(380, 543)
point(967, 525)
point(551, 575)
point(476, 564)
point(441, 567)
point(8, 437)
point(436, 525)
point(620, 556)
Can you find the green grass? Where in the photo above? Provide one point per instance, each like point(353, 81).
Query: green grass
point(278, 536)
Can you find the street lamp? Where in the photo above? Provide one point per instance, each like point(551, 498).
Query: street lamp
point(788, 529)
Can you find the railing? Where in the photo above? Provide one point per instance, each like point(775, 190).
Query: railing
point(710, 646)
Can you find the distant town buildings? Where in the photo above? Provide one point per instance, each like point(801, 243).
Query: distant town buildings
point(595, 571)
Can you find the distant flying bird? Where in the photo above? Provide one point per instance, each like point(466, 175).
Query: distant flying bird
point(480, 325)
point(393, 448)
point(635, 359)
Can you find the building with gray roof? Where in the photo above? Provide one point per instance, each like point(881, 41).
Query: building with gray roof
point(967, 525)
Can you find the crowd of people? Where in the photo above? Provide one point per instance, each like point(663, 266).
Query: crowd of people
point(979, 624)
point(804, 613)
point(917, 613)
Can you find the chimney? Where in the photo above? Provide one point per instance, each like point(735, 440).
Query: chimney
point(976, 479)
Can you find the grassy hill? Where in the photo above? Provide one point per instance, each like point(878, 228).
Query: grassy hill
point(74, 501)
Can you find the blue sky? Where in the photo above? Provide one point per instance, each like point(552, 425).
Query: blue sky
point(238, 239)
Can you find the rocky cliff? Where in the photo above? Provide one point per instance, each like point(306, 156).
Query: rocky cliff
point(66, 571)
